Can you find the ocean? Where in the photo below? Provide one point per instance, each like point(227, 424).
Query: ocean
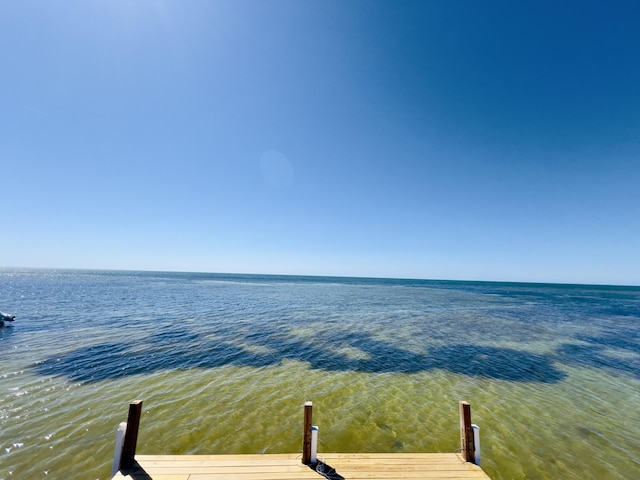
point(224, 364)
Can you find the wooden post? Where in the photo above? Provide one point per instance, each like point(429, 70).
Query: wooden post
point(131, 435)
point(466, 433)
point(306, 436)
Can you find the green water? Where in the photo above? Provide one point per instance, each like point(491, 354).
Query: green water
point(555, 431)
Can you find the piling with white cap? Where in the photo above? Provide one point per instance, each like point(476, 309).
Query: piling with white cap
point(314, 444)
point(117, 455)
point(476, 443)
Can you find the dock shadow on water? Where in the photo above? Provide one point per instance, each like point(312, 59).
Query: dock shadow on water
point(177, 349)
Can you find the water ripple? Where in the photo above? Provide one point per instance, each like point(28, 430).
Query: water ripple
point(225, 362)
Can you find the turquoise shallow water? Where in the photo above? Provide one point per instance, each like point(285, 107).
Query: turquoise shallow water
point(224, 364)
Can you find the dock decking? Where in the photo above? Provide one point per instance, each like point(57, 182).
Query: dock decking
point(308, 465)
point(356, 466)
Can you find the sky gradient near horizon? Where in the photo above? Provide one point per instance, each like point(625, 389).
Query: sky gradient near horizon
point(460, 140)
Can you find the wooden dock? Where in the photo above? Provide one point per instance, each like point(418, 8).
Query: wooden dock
point(307, 465)
point(348, 466)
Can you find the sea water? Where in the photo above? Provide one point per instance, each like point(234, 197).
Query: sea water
point(224, 364)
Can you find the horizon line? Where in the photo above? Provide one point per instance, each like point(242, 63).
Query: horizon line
point(307, 275)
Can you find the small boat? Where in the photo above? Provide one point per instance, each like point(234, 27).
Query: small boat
point(5, 317)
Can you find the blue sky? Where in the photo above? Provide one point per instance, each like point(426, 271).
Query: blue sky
point(432, 139)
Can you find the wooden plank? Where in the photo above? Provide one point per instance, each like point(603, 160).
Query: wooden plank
point(359, 466)
point(139, 474)
point(225, 469)
point(403, 466)
point(308, 475)
point(427, 474)
point(400, 467)
point(234, 457)
point(120, 476)
point(454, 457)
point(389, 464)
point(295, 458)
point(221, 464)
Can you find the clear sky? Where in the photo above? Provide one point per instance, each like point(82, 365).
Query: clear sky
point(479, 140)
